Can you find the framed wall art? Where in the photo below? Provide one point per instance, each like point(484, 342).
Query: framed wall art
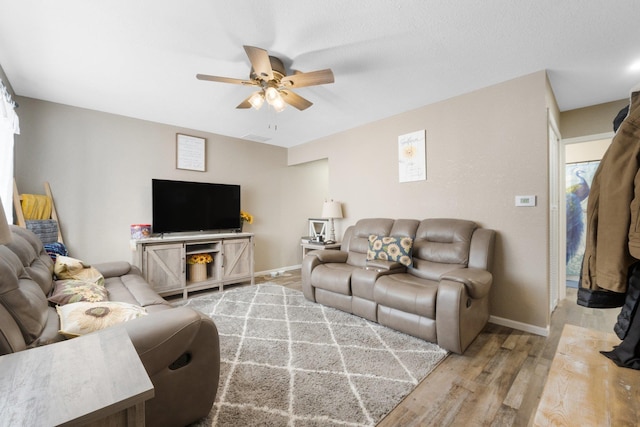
point(412, 158)
point(190, 153)
point(579, 177)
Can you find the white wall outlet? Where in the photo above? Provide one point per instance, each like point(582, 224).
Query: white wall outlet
point(525, 200)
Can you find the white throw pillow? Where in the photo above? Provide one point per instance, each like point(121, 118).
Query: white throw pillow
point(81, 318)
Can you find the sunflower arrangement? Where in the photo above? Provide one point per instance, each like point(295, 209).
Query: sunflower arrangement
point(246, 217)
point(199, 259)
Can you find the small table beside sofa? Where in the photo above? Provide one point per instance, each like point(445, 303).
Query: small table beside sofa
point(429, 279)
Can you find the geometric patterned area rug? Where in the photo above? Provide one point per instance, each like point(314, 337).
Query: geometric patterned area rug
point(286, 361)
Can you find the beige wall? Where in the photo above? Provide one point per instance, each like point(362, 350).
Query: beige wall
point(100, 168)
point(594, 120)
point(586, 151)
point(483, 149)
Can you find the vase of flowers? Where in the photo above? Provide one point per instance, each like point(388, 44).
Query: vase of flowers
point(198, 266)
point(245, 217)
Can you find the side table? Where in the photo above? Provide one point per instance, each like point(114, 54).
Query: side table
point(96, 379)
point(306, 247)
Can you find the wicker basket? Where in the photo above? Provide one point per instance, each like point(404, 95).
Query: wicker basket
point(197, 272)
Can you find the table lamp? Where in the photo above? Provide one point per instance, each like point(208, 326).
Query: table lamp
point(331, 210)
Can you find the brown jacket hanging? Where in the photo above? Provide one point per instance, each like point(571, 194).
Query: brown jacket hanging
point(613, 228)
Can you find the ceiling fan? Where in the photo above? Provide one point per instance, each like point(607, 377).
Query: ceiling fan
point(268, 74)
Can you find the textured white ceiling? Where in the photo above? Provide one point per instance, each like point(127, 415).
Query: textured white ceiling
point(139, 58)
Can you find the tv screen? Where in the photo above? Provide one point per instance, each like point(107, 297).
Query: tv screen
point(194, 206)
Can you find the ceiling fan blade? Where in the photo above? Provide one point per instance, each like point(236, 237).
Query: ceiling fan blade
point(312, 78)
point(225, 80)
point(245, 103)
point(260, 62)
point(295, 100)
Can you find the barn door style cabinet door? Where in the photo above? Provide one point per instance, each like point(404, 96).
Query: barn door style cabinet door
point(165, 261)
point(237, 259)
point(163, 267)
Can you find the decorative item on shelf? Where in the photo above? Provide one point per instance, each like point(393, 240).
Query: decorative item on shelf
point(245, 217)
point(331, 210)
point(140, 231)
point(198, 266)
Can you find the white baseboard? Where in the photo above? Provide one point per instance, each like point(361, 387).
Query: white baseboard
point(520, 326)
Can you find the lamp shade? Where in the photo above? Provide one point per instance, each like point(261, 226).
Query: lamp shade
point(332, 209)
point(271, 94)
point(5, 231)
point(278, 104)
point(256, 100)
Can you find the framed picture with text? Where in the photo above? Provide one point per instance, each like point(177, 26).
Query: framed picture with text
point(412, 160)
point(190, 152)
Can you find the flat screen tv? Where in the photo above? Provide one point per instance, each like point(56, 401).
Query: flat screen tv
point(182, 206)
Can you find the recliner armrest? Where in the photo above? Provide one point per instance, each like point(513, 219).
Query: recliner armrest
point(180, 350)
point(162, 336)
point(477, 281)
point(115, 269)
point(329, 255)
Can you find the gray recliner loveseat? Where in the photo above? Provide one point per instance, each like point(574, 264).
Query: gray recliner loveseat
point(442, 296)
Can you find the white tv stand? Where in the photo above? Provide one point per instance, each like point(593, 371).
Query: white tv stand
point(163, 261)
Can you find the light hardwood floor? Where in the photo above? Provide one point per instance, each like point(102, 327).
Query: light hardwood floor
point(499, 379)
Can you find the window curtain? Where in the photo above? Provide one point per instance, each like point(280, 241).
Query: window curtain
point(9, 126)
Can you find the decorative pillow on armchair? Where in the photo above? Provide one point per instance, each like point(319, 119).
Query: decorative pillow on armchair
point(81, 318)
point(71, 268)
point(390, 248)
point(70, 291)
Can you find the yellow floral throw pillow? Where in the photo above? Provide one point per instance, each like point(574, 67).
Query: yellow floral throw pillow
point(70, 291)
point(396, 249)
point(80, 318)
point(72, 268)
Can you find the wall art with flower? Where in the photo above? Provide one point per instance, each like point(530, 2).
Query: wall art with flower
point(412, 158)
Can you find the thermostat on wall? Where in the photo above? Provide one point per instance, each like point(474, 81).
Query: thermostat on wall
point(525, 200)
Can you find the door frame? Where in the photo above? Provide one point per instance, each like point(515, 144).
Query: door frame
point(562, 286)
point(557, 216)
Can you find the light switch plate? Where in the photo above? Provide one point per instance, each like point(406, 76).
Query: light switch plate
point(525, 200)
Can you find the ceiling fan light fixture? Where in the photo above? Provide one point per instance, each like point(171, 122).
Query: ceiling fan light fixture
point(269, 76)
point(274, 98)
point(256, 100)
point(278, 104)
point(271, 94)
